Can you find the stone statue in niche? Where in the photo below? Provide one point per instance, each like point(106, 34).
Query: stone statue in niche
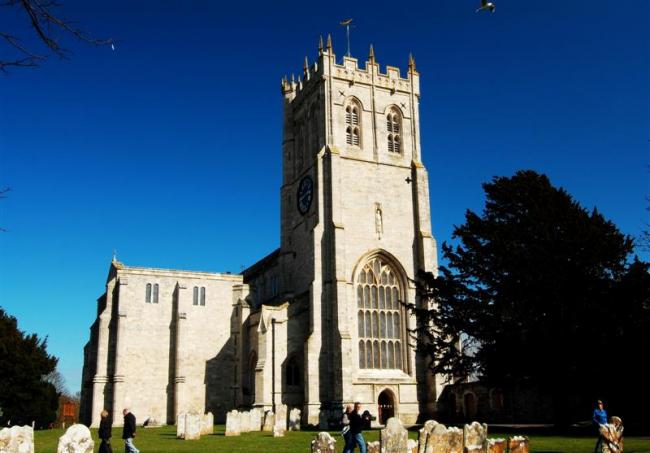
point(379, 221)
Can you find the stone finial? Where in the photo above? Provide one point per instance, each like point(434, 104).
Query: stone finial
point(329, 42)
point(371, 56)
point(411, 63)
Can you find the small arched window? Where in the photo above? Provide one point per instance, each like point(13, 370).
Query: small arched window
point(394, 129)
point(353, 124)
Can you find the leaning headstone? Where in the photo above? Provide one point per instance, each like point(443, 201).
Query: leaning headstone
point(17, 439)
point(77, 439)
point(496, 446)
point(245, 422)
point(256, 419)
point(180, 425)
point(373, 447)
point(520, 444)
point(207, 424)
point(424, 434)
point(612, 434)
point(151, 422)
point(192, 426)
point(475, 437)
point(294, 419)
point(233, 423)
point(269, 421)
point(444, 440)
point(324, 443)
point(412, 446)
point(394, 437)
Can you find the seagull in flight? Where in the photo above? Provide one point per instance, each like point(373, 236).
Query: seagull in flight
point(485, 6)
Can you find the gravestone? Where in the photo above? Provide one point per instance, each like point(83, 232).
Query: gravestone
point(180, 425)
point(269, 421)
point(233, 423)
point(444, 440)
point(394, 437)
point(324, 443)
point(496, 446)
point(475, 437)
point(192, 426)
point(77, 439)
point(612, 434)
point(373, 447)
point(294, 419)
point(519, 444)
point(245, 421)
point(207, 424)
point(412, 446)
point(424, 434)
point(256, 419)
point(280, 426)
point(17, 439)
point(151, 422)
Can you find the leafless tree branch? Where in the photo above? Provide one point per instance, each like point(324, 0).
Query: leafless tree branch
point(44, 21)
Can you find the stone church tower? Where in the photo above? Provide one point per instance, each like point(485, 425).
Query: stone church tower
point(319, 322)
point(355, 230)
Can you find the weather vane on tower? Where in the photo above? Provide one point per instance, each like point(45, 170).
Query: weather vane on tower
point(346, 23)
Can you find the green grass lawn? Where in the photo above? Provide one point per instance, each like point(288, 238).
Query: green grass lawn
point(163, 440)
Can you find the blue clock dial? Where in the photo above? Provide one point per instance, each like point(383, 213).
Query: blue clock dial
point(305, 194)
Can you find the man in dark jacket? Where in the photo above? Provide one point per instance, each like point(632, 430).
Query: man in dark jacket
point(356, 426)
point(128, 432)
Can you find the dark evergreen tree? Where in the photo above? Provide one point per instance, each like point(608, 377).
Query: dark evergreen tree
point(544, 294)
point(25, 395)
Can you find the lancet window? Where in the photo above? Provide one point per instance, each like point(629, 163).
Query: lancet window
point(380, 317)
point(394, 129)
point(353, 124)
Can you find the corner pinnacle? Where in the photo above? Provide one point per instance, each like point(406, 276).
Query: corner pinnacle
point(329, 42)
point(411, 63)
point(371, 57)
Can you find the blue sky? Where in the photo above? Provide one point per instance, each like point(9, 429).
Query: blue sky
point(168, 148)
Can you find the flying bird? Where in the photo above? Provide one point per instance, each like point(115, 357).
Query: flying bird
point(112, 46)
point(485, 5)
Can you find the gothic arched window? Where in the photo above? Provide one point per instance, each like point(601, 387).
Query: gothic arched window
point(353, 124)
point(394, 129)
point(293, 372)
point(380, 316)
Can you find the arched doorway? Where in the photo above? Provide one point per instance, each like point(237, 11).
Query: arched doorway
point(469, 406)
point(386, 404)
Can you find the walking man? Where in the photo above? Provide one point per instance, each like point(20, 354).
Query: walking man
point(128, 432)
point(355, 438)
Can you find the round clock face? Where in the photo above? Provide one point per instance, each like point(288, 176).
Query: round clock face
point(305, 194)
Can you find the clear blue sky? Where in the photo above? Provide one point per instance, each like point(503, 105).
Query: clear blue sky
point(168, 148)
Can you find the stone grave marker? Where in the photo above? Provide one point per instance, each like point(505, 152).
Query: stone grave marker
point(373, 447)
point(269, 421)
point(424, 434)
point(294, 419)
point(394, 437)
point(192, 426)
point(444, 440)
point(256, 419)
point(233, 423)
point(412, 446)
point(324, 443)
point(245, 421)
point(520, 444)
point(496, 446)
point(612, 433)
point(17, 439)
point(475, 437)
point(207, 424)
point(77, 439)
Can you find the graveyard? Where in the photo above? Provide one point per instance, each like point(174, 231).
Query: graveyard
point(163, 440)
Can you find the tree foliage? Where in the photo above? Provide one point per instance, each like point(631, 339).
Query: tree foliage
point(543, 293)
point(25, 395)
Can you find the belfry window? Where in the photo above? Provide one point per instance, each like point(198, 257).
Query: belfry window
point(151, 293)
point(379, 317)
point(353, 124)
point(198, 296)
point(394, 129)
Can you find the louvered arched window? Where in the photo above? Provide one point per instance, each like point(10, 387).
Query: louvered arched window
point(380, 317)
point(394, 129)
point(353, 124)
